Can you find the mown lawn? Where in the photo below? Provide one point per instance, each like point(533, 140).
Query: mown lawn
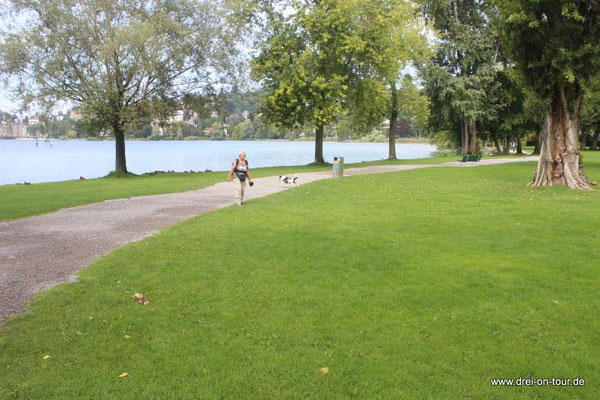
point(18, 201)
point(417, 284)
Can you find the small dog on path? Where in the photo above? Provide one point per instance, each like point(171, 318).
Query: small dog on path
point(288, 180)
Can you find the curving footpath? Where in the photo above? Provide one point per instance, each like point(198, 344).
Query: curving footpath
point(40, 252)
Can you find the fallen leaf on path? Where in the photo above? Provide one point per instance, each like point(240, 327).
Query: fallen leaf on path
point(124, 375)
point(324, 370)
point(140, 299)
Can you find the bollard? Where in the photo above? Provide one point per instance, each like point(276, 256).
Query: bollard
point(338, 167)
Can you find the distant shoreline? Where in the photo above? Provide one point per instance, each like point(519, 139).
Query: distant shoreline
point(398, 140)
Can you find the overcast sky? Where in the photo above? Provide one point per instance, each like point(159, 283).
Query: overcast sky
point(5, 103)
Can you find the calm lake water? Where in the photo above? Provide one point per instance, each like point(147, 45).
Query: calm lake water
point(22, 160)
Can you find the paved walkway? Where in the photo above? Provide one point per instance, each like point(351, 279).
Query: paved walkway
point(40, 252)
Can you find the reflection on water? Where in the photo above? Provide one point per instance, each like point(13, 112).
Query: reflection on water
point(24, 160)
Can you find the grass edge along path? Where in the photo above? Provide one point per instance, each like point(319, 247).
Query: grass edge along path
point(49, 249)
point(403, 285)
point(20, 201)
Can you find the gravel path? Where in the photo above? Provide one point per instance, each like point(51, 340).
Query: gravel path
point(40, 252)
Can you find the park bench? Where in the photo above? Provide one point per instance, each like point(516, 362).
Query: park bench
point(471, 158)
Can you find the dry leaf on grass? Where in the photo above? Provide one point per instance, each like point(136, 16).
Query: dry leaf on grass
point(46, 357)
point(140, 299)
point(124, 375)
point(324, 370)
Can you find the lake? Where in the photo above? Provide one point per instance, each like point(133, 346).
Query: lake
point(59, 160)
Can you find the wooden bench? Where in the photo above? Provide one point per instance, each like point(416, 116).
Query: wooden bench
point(471, 158)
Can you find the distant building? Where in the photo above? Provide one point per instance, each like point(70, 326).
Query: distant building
point(15, 129)
point(75, 115)
point(179, 116)
point(191, 118)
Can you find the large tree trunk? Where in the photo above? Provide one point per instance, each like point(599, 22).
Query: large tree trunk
point(473, 143)
point(464, 133)
point(595, 141)
point(392, 140)
point(505, 146)
point(120, 162)
point(560, 161)
point(519, 145)
point(469, 138)
point(393, 123)
point(117, 124)
point(319, 144)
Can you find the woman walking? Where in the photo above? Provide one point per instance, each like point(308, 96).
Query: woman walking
point(239, 172)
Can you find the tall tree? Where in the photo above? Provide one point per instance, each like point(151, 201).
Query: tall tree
point(459, 77)
point(555, 43)
point(514, 111)
point(115, 59)
point(303, 65)
point(387, 39)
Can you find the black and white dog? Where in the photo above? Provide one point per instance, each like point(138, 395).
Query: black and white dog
point(288, 180)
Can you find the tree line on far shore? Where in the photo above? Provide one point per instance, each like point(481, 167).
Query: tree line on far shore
point(229, 115)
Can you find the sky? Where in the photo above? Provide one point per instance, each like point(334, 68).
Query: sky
point(5, 103)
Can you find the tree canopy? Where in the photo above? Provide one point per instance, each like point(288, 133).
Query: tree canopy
point(303, 65)
point(118, 60)
point(461, 75)
point(555, 45)
point(320, 59)
point(389, 38)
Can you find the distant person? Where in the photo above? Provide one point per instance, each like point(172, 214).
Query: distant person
point(239, 172)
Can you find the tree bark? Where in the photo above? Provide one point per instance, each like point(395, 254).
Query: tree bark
point(595, 140)
point(560, 161)
point(583, 141)
point(505, 145)
point(473, 145)
point(120, 162)
point(469, 138)
point(319, 144)
point(393, 122)
point(519, 145)
point(464, 138)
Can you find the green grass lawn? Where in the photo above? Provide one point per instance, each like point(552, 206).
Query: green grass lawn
point(18, 201)
point(417, 284)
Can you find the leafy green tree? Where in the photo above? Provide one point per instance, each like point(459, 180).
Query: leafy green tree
point(515, 113)
point(142, 131)
point(303, 65)
point(460, 76)
point(117, 60)
point(386, 39)
point(555, 44)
